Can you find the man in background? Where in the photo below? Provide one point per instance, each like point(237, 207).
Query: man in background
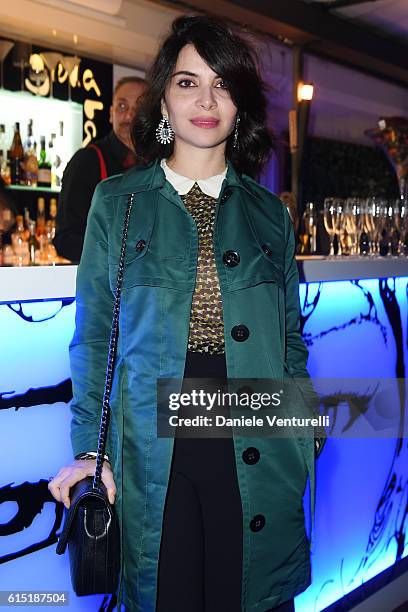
point(105, 157)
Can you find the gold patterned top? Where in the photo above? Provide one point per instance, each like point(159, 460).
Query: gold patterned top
point(206, 320)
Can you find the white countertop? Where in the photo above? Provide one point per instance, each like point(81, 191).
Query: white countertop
point(32, 283)
point(318, 268)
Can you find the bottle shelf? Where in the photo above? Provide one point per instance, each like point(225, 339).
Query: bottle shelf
point(34, 189)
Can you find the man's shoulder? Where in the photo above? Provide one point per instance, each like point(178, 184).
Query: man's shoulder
point(89, 152)
point(84, 156)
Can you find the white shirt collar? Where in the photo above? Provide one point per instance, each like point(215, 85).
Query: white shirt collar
point(211, 185)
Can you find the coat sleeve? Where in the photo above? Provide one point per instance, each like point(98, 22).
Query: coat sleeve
point(88, 349)
point(296, 352)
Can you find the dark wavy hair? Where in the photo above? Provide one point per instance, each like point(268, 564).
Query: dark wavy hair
point(235, 61)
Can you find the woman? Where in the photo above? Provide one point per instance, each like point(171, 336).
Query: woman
point(210, 289)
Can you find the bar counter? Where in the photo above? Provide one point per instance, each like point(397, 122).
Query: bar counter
point(32, 283)
point(354, 322)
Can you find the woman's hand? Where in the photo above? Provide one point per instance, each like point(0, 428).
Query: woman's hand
point(69, 475)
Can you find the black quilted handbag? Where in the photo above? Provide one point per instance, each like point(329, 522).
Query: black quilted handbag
point(91, 527)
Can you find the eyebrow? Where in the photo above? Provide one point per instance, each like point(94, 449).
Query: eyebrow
point(193, 74)
point(185, 72)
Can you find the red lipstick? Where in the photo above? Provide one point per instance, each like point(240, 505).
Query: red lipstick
point(205, 122)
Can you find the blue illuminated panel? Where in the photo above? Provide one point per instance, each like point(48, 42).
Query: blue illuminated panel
point(357, 329)
point(352, 329)
point(34, 444)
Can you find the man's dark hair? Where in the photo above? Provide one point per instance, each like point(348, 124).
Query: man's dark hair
point(234, 60)
point(128, 79)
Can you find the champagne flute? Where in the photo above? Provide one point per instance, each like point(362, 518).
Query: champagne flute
point(382, 224)
point(404, 227)
point(331, 221)
point(350, 223)
point(397, 227)
point(392, 219)
point(339, 204)
point(361, 224)
point(370, 208)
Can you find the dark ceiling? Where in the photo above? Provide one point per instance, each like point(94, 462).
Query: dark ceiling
point(371, 35)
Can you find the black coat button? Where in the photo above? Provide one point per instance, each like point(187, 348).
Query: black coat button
point(231, 258)
point(257, 523)
point(140, 245)
point(251, 455)
point(226, 195)
point(240, 333)
point(267, 250)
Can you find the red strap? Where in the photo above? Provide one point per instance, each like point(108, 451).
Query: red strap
point(104, 172)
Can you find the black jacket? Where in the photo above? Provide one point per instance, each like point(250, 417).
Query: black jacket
point(80, 178)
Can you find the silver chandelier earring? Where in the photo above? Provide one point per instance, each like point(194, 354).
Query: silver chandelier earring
point(235, 142)
point(164, 131)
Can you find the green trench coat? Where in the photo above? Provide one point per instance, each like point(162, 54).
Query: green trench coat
point(260, 293)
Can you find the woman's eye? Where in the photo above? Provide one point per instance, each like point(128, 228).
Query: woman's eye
point(222, 85)
point(185, 83)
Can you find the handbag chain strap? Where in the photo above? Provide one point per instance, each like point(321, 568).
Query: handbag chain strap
point(113, 341)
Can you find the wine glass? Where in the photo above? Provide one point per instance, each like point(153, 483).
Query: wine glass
point(331, 221)
point(71, 65)
point(5, 48)
point(51, 59)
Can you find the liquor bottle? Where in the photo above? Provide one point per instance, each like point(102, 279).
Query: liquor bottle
point(27, 223)
point(51, 158)
point(5, 169)
point(4, 173)
point(20, 244)
point(6, 222)
point(44, 167)
point(3, 143)
point(40, 229)
point(59, 155)
point(308, 230)
point(3, 163)
point(53, 216)
point(33, 244)
point(31, 162)
point(17, 158)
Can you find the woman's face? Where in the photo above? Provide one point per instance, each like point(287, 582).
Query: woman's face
point(197, 103)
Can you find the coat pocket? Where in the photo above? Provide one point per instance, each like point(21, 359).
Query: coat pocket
point(150, 269)
point(137, 246)
point(258, 270)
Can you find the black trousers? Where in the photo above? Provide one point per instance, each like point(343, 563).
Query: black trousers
point(200, 564)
